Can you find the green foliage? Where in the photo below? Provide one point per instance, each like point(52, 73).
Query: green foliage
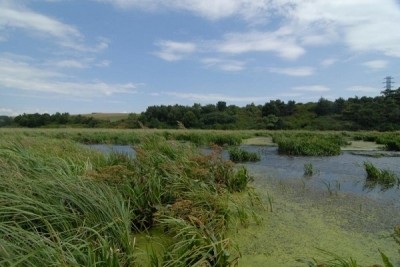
point(308, 169)
point(239, 181)
point(384, 178)
point(63, 205)
point(308, 144)
point(237, 154)
point(366, 113)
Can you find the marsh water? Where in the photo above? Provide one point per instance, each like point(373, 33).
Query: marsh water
point(331, 210)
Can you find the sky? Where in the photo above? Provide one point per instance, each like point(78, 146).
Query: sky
point(84, 56)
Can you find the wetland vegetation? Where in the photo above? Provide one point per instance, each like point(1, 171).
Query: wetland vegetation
point(172, 205)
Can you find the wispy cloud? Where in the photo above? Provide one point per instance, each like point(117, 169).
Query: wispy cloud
point(312, 88)
point(174, 51)
point(363, 26)
point(17, 16)
point(209, 9)
point(328, 62)
point(279, 42)
point(376, 64)
point(299, 71)
point(363, 89)
point(224, 64)
point(81, 63)
point(25, 75)
point(212, 98)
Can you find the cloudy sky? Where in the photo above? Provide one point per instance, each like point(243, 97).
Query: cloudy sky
point(83, 56)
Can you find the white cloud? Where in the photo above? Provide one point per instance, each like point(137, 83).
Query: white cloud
point(312, 88)
point(14, 16)
point(211, 98)
point(363, 25)
point(376, 64)
point(328, 62)
point(69, 63)
point(300, 71)
point(279, 41)
point(224, 64)
point(363, 89)
point(8, 112)
point(82, 63)
point(23, 75)
point(210, 9)
point(174, 51)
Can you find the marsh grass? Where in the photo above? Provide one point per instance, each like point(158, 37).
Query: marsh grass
point(64, 205)
point(385, 178)
point(58, 218)
point(308, 144)
point(308, 169)
point(237, 154)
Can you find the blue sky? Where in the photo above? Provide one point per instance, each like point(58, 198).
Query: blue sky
point(83, 56)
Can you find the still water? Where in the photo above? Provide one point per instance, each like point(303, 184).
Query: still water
point(342, 173)
point(352, 222)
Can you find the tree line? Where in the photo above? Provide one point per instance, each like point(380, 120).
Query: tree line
point(357, 113)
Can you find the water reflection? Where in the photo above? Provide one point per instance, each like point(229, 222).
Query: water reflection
point(107, 149)
point(344, 173)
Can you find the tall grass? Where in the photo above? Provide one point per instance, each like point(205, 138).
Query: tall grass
point(63, 205)
point(237, 154)
point(308, 144)
point(385, 178)
point(55, 218)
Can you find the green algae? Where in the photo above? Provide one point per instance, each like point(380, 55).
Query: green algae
point(306, 220)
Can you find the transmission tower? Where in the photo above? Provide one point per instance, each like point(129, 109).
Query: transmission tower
point(388, 83)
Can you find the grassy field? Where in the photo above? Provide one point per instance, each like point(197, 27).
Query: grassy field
point(170, 206)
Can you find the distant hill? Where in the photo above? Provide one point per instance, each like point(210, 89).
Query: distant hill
point(111, 117)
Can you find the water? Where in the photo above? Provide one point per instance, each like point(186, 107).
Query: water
point(344, 173)
point(107, 149)
point(352, 222)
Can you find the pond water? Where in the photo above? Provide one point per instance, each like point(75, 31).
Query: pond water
point(342, 173)
point(107, 149)
point(331, 210)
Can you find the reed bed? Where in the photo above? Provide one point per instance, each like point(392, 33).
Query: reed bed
point(64, 205)
point(237, 154)
point(385, 178)
point(309, 144)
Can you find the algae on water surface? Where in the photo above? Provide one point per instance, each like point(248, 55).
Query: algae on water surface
point(307, 219)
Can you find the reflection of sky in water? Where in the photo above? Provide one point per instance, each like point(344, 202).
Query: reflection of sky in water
point(107, 149)
point(345, 170)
